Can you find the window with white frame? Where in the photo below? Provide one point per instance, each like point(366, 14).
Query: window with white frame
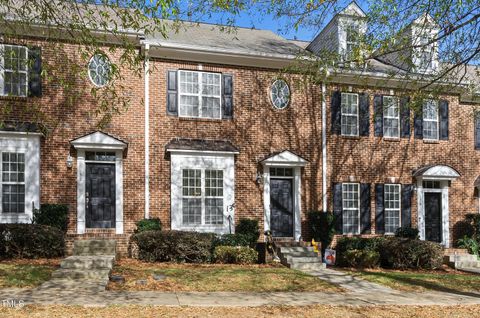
point(200, 94)
point(392, 207)
point(352, 39)
point(349, 108)
point(202, 197)
point(13, 182)
point(430, 120)
point(391, 117)
point(351, 208)
point(13, 70)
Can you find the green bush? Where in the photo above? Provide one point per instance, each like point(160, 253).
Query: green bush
point(148, 225)
point(55, 215)
point(248, 227)
point(403, 253)
point(470, 244)
point(346, 244)
point(31, 241)
point(362, 258)
point(407, 232)
point(232, 240)
point(322, 225)
point(235, 255)
point(174, 246)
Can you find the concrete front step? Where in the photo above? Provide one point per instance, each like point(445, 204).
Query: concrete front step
point(74, 286)
point(94, 247)
point(88, 262)
point(81, 274)
point(307, 266)
point(467, 264)
point(474, 270)
point(460, 258)
point(296, 249)
point(309, 259)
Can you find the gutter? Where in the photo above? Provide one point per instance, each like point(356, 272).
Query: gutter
point(147, 130)
point(324, 148)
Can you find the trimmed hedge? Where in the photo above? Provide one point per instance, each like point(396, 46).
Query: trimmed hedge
point(55, 215)
point(235, 255)
point(346, 244)
point(249, 228)
point(31, 241)
point(232, 240)
point(362, 258)
point(148, 225)
point(174, 246)
point(407, 232)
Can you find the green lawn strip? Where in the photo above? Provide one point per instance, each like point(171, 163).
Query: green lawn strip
point(24, 275)
point(224, 278)
point(418, 281)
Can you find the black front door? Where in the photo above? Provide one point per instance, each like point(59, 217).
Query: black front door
point(281, 207)
point(100, 195)
point(433, 217)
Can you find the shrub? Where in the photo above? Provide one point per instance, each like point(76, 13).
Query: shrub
point(470, 244)
point(407, 232)
point(322, 225)
point(235, 255)
point(55, 215)
point(148, 225)
point(174, 246)
point(31, 241)
point(231, 240)
point(362, 258)
point(248, 227)
point(346, 244)
point(403, 253)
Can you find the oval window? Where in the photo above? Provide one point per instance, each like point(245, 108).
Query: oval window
point(280, 94)
point(99, 70)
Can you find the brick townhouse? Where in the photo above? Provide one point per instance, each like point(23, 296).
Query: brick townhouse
point(216, 132)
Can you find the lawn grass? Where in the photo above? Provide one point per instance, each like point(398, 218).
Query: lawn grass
point(419, 281)
point(216, 277)
point(250, 312)
point(26, 273)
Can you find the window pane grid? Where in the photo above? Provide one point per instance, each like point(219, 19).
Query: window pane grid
point(391, 117)
point(430, 120)
point(349, 109)
point(199, 94)
point(13, 182)
point(351, 208)
point(392, 207)
point(15, 70)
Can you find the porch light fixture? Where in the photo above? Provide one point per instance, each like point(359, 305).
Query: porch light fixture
point(260, 178)
point(69, 161)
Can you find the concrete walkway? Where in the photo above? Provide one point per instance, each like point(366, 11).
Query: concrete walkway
point(358, 292)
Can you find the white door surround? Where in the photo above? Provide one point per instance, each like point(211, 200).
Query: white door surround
point(284, 159)
point(99, 141)
point(443, 175)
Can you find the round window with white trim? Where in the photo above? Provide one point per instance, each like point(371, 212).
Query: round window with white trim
point(99, 70)
point(280, 94)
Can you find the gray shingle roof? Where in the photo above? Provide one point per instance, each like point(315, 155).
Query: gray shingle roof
point(24, 127)
point(201, 145)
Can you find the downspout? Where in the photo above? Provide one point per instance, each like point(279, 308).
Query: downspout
point(324, 148)
point(147, 131)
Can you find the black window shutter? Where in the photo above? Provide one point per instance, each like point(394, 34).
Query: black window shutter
point(405, 117)
point(418, 123)
point(338, 207)
point(407, 191)
point(172, 92)
point(477, 131)
point(378, 109)
point(364, 114)
point(227, 98)
point(35, 71)
point(336, 110)
point(443, 115)
point(379, 209)
point(365, 210)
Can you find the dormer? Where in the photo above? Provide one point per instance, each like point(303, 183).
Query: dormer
point(343, 33)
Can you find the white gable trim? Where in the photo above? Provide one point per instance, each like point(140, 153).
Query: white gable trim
point(353, 9)
point(285, 158)
point(98, 140)
point(438, 172)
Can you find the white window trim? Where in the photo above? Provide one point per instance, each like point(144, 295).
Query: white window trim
point(350, 115)
point(2, 69)
point(29, 144)
point(199, 94)
point(202, 161)
point(351, 209)
point(437, 121)
point(391, 209)
point(391, 117)
point(351, 25)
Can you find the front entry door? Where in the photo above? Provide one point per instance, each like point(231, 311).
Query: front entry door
point(433, 217)
point(100, 195)
point(281, 207)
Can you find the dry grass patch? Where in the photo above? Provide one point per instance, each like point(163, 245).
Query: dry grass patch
point(26, 273)
point(216, 277)
point(250, 312)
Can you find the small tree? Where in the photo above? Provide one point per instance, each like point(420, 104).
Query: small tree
point(322, 225)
